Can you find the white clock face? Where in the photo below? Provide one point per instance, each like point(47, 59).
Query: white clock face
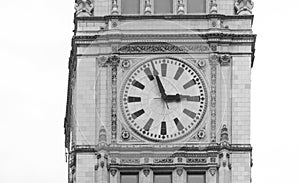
point(163, 99)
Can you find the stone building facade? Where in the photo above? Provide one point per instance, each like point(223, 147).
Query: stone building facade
point(159, 91)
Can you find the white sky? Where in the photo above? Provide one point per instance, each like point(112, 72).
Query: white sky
point(35, 41)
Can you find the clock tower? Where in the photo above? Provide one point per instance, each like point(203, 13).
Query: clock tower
point(159, 92)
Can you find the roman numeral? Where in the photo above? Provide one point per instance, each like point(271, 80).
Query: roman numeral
point(178, 124)
point(163, 128)
point(193, 98)
point(178, 73)
point(134, 99)
point(149, 74)
point(138, 113)
point(148, 124)
point(138, 84)
point(164, 70)
point(189, 113)
point(189, 84)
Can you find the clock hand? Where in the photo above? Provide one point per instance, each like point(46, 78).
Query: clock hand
point(177, 97)
point(159, 83)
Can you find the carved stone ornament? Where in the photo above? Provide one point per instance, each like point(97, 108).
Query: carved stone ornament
point(125, 135)
point(224, 136)
point(179, 171)
point(146, 172)
point(114, 61)
point(113, 171)
point(243, 7)
point(114, 8)
point(84, 8)
point(201, 63)
point(201, 134)
point(102, 61)
point(180, 7)
point(212, 171)
point(225, 60)
point(125, 64)
point(213, 7)
point(163, 48)
point(147, 10)
point(102, 164)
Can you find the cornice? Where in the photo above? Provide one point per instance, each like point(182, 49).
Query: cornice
point(174, 149)
point(174, 36)
point(165, 17)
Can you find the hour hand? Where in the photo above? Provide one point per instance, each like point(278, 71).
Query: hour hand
point(178, 98)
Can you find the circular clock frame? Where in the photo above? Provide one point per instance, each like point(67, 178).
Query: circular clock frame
point(184, 128)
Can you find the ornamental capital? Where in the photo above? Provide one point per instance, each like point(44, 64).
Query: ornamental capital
point(243, 7)
point(84, 8)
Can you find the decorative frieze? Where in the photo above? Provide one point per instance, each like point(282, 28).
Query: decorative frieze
point(130, 161)
point(84, 8)
point(163, 48)
point(213, 63)
point(243, 7)
point(196, 160)
point(114, 61)
point(163, 160)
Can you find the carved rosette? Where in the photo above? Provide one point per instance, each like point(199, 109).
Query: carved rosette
point(84, 8)
point(147, 9)
point(114, 8)
point(180, 7)
point(243, 7)
point(213, 63)
point(213, 7)
point(114, 61)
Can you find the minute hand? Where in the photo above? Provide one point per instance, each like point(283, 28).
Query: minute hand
point(159, 83)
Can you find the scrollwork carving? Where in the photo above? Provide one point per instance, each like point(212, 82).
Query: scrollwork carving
point(225, 60)
point(84, 8)
point(243, 7)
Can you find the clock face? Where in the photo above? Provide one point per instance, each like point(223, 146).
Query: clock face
point(163, 99)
